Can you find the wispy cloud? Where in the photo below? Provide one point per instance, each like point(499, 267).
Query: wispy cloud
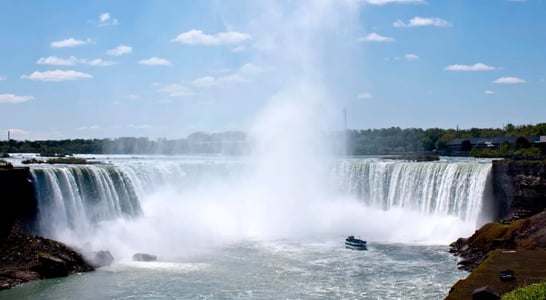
point(489, 92)
point(140, 126)
point(155, 61)
point(89, 128)
point(249, 68)
point(174, 90)
point(420, 22)
point(411, 57)
point(469, 68)
point(97, 62)
point(375, 37)
point(364, 96)
point(13, 99)
point(120, 50)
point(197, 37)
point(3, 78)
point(383, 2)
point(105, 19)
point(56, 75)
point(57, 61)
point(509, 80)
point(70, 42)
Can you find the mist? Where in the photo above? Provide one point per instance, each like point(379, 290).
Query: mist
point(285, 190)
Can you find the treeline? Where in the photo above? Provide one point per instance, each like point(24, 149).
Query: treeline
point(232, 143)
point(384, 141)
point(395, 140)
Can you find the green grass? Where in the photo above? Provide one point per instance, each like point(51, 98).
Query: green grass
point(531, 292)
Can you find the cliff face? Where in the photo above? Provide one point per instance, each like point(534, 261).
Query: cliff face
point(519, 187)
point(17, 198)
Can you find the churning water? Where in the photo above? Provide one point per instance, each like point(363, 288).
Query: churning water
point(221, 229)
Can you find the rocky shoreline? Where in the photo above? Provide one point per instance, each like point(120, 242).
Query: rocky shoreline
point(25, 257)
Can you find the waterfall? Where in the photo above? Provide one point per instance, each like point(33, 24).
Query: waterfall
point(77, 197)
point(438, 188)
point(199, 197)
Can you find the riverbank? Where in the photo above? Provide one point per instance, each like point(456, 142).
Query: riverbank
point(25, 257)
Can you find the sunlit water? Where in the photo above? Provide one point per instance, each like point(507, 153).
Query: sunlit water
point(275, 270)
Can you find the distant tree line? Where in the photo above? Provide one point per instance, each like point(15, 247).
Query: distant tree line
point(384, 141)
point(231, 142)
point(395, 140)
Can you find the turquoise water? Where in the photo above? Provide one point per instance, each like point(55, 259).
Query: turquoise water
point(241, 228)
point(273, 270)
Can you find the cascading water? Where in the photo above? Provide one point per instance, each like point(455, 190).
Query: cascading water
point(437, 188)
point(76, 198)
point(182, 202)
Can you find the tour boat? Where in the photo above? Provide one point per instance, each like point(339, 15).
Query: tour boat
point(356, 244)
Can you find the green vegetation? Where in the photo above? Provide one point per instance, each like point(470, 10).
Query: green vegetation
point(68, 160)
point(531, 292)
point(386, 141)
point(395, 140)
point(32, 161)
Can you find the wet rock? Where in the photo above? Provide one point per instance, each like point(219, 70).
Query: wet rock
point(144, 257)
point(101, 259)
point(50, 266)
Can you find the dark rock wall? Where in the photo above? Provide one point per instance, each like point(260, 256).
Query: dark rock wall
point(17, 198)
point(519, 187)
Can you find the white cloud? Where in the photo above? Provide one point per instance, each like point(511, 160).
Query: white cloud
point(141, 126)
point(57, 61)
point(204, 81)
point(375, 37)
point(105, 19)
point(133, 96)
point(489, 92)
point(17, 131)
point(71, 42)
point(155, 61)
point(509, 80)
point(383, 2)
point(232, 78)
point(120, 50)
point(364, 96)
point(175, 90)
point(469, 68)
point(197, 37)
point(209, 81)
point(411, 57)
point(97, 62)
point(249, 68)
point(56, 75)
point(420, 21)
point(3, 78)
point(90, 127)
point(12, 99)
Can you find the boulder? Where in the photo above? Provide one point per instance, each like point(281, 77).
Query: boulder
point(51, 266)
point(144, 257)
point(101, 259)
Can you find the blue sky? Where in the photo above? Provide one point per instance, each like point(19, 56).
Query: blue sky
point(164, 69)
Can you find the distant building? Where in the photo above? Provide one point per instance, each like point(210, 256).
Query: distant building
point(462, 146)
